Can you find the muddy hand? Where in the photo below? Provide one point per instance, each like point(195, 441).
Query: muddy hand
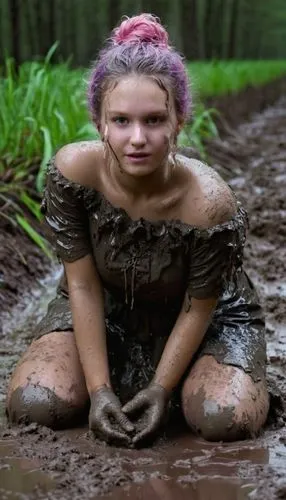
point(106, 418)
point(150, 406)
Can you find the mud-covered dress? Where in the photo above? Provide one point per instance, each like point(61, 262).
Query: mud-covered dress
point(145, 269)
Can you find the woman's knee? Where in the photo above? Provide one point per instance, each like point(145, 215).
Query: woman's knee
point(48, 385)
point(213, 421)
point(223, 403)
point(35, 403)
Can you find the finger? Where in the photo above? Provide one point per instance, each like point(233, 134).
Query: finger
point(154, 422)
point(148, 431)
point(122, 419)
point(107, 431)
point(134, 405)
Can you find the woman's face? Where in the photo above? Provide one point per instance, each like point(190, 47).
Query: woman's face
point(139, 124)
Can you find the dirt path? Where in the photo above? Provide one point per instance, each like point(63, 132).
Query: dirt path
point(39, 463)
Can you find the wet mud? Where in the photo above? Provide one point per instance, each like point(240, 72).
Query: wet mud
point(22, 266)
point(36, 462)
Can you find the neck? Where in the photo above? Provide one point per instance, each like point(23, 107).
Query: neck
point(144, 186)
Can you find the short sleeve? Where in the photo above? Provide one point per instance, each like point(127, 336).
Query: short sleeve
point(65, 216)
point(215, 256)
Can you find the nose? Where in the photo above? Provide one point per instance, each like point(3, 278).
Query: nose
point(138, 136)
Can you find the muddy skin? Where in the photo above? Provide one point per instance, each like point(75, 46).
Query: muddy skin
point(34, 403)
point(150, 405)
point(107, 420)
point(216, 423)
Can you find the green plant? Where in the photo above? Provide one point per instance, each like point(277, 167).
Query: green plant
point(212, 78)
point(202, 127)
point(42, 107)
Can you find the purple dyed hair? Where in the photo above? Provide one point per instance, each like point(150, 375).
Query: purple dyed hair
point(139, 46)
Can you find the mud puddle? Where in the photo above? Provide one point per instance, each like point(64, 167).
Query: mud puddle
point(37, 463)
point(186, 467)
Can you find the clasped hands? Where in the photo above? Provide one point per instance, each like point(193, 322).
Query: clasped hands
point(134, 422)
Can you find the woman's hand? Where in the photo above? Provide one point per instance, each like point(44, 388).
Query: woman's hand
point(149, 406)
point(106, 418)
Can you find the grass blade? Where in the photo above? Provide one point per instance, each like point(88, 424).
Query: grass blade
point(48, 151)
point(36, 237)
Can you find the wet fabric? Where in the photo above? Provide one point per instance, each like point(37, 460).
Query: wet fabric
point(146, 268)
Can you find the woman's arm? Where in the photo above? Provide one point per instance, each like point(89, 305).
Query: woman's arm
point(211, 256)
point(87, 305)
point(86, 299)
point(183, 342)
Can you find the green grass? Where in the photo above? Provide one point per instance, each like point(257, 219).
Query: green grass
point(215, 78)
point(43, 107)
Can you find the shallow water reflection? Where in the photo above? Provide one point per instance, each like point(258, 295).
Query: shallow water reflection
point(20, 476)
point(185, 468)
point(203, 489)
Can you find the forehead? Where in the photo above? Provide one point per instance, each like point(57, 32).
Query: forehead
point(137, 94)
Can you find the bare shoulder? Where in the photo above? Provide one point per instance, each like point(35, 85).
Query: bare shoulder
point(209, 199)
point(78, 161)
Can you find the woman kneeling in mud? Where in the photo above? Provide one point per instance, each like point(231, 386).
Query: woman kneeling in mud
point(155, 307)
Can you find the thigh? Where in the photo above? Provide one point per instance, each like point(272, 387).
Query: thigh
point(52, 362)
point(239, 343)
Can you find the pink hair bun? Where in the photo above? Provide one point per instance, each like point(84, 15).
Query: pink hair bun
point(142, 28)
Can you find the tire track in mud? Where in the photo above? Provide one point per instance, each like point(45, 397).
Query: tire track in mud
point(253, 160)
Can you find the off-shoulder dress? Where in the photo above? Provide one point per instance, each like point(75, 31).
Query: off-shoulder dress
point(146, 268)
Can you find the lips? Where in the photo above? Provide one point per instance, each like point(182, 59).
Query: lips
point(138, 155)
point(138, 158)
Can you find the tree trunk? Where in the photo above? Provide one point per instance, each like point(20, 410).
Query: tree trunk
point(226, 30)
point(114, 14)
point(201, 17)
point(189, 29)
point(234, 26)
point(174, 23)
point(15, 22)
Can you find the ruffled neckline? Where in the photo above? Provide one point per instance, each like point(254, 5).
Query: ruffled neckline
point(94, 198)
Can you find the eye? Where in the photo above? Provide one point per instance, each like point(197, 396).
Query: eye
point(120, 120)
point(155, 120)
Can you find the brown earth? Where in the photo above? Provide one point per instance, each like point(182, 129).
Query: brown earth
point(238, 107)
point(22, 263)
point(39, 463)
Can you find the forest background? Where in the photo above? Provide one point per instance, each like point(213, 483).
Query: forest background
point(200, 29)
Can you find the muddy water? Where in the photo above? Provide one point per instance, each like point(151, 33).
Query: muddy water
point(39, 463)
point(183, 467)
